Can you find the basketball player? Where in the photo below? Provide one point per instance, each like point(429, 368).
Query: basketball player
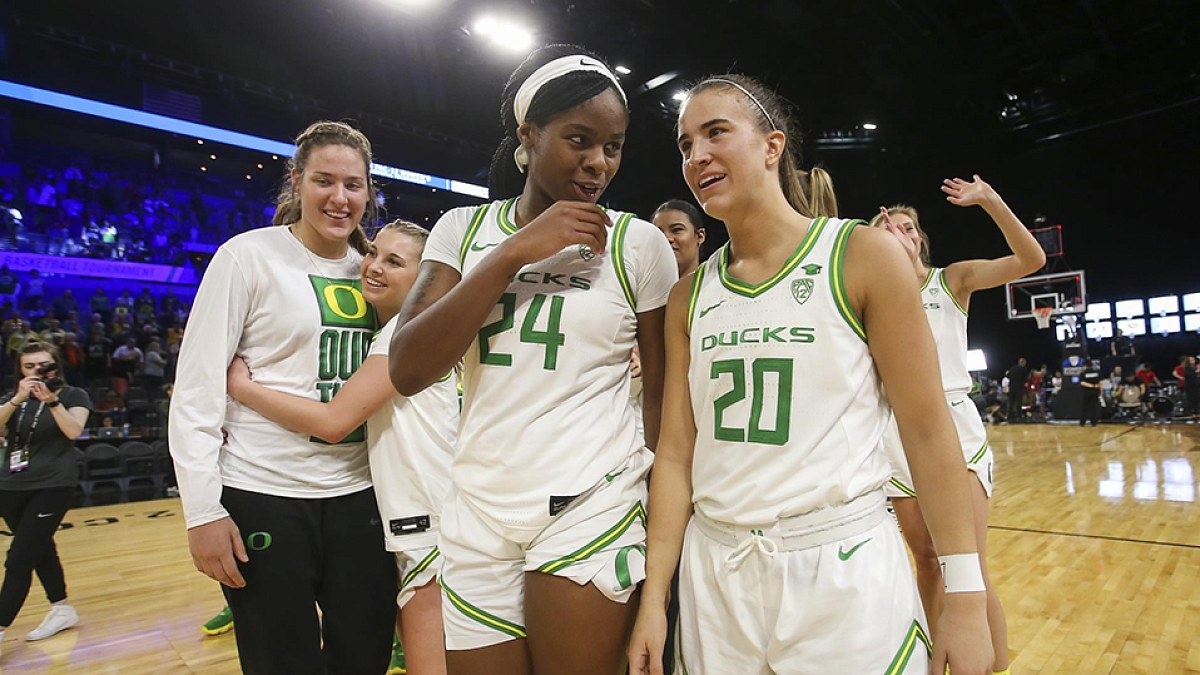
point(946, 293)
point(409, 442)
point(287, 522)
point(773, 413)
point(683, 226)
point(542, 295)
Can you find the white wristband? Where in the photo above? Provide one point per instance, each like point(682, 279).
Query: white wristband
point(961, 573)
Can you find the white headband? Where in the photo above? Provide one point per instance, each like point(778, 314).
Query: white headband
point(749, 96)
point(542, 76)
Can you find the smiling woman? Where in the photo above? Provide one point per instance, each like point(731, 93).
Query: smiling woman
point(276, 515)
point(542, 295)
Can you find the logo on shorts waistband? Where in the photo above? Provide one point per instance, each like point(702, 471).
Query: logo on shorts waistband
point(845, 555)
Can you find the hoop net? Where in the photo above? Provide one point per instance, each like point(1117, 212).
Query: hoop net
point(1042, 316)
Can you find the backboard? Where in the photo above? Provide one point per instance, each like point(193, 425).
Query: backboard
point(1064, 292)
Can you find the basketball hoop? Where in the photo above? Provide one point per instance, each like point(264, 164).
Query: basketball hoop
point(1042, 316)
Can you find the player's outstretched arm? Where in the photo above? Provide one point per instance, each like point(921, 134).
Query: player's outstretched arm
point(364, 393)
point(1027, 257)
point(670, 491)
point(884, 292)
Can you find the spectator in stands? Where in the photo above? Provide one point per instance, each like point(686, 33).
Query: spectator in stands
point(110, 403)
point(992, 408)
point(65, 304)
point(37, 482)
point(35, 290)
point(101, 305)
point(126, 364)
point(1116, 376)
point(1122, 345)
point(73, 359)
point(1018, 376)
point(145, 308)
point(53, 333)
point(21, 335)
point(170, 305)
point(10, 286)
point(1130, 394)
point(154, 369)
point(174, 335)
point(125, 300)
point(1145, 373)
point(1191, 385)
point(97, 357)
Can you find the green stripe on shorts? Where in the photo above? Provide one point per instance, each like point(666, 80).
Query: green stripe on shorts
point(900, 661)
point(979, 455)
point(475, 614)
point(637, 512)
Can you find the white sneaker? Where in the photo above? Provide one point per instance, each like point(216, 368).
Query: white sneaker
point(60, 618)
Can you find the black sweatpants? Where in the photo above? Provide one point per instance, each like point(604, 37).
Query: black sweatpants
point(33, 517)
point(1091, 408)
point(304, 553)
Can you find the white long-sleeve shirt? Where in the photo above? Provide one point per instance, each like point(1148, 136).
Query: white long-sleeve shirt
point(302, 325)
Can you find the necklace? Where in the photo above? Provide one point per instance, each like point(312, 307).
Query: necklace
point(308, 254)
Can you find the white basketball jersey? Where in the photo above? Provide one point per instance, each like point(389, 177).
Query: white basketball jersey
point(948, 321)
point(788, 405)
point(410, 442)
point(546, 409)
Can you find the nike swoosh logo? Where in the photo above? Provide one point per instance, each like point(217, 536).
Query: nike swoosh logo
point(706, 310)
point(845, 555)
point(610, 476)
point(45, 515)
point(956, 404)
point(477, 247)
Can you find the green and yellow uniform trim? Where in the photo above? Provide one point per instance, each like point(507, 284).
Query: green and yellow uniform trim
point(915, 634)
point(754, 290)
point(472, 230)
point(903, 488)
point(622, 564)
point(421, 567)
point(979, 455)
point(694, 295)
point(838, 281)
point(638, 512)
point(504, 218)
point(474, 613)
point(950, 293)
point(618, 258)
point(928, 278)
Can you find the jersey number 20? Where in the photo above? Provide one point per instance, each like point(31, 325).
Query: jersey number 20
point(783, 400)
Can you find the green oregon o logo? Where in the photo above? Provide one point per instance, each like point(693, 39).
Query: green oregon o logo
point(333, 300)
point(258, 541)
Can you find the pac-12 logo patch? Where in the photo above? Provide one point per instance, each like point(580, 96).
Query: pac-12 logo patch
point(933, 292)
point(802, 290)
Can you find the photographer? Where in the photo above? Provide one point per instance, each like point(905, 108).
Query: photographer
point(37, 480)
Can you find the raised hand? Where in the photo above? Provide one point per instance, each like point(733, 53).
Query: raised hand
point(563, 224)
point(968, 193)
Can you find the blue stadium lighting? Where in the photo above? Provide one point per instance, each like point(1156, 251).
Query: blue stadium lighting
point(140, 118)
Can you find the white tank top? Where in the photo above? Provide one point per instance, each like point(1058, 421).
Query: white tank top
point(546, 409)
point(948, 321)
point(788, 405)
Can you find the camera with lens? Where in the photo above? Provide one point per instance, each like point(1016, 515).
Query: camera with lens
point(54, 384)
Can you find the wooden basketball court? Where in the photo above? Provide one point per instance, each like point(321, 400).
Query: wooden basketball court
point(1095, 547)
